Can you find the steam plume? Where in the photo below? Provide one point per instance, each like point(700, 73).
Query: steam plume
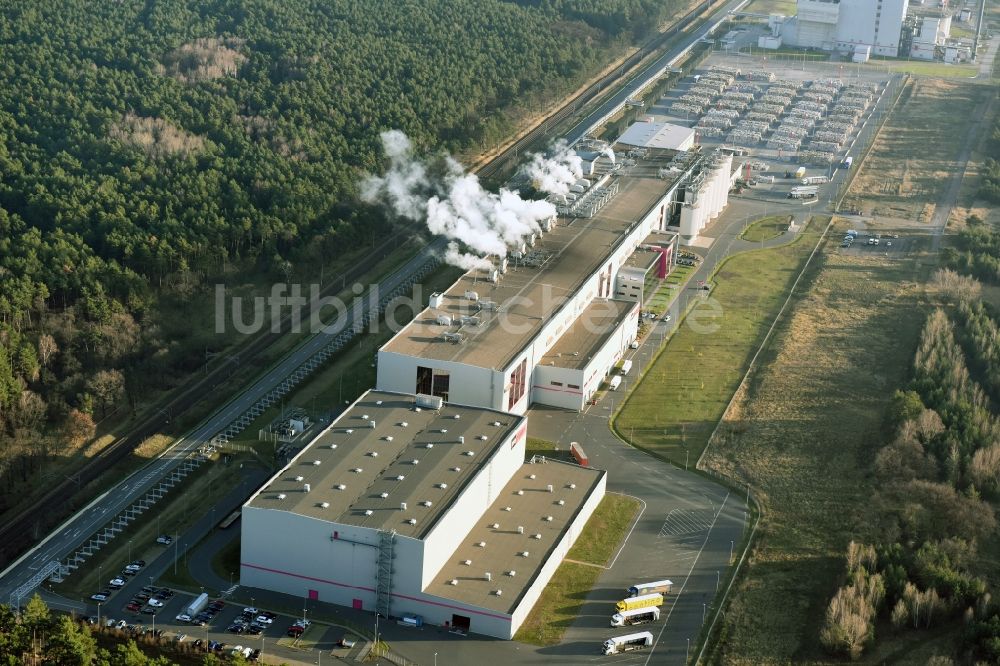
point(557, 173)
point(453, 204)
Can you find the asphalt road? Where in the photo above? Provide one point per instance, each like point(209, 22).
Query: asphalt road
point(78, 529)
point(653, 71)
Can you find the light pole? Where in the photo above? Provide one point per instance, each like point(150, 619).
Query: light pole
point(435, 659)
point(100, 576)
point(130, 550)
point(731, 543)
point(704, 609)
point(688, 657)
point(717, 580)
point(376, 633)
point(98, 614)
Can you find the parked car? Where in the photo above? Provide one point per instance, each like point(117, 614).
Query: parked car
point(295, 631)
point(263, 619)
point(117, 582)
point(183, 617)
point(121, 624)
point(133, 607)
point(155, 603)
point(100, 596)
point(164, 539)
point(346, 643)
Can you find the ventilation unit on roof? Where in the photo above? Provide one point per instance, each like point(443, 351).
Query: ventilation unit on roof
point(482, 438)
point(523, 553)
point(415, 461)
point(453, 338)
point(387, 438)
point(400, 477)
point(495, 424)
point(333, 446)
point(549, 487)
point(316, 462)
point(299, 478)
point(487, 305)
point(506, 508)
point(368, 512)
point(411, 521)
point(281, 496)
point(372, 424)
point(402, 506)
point(442, 430)
point(429, 445)
point(468, 320)
point(481, 544)
point(357, 470)
point(324, 505)
point(383, 495)
point(349, 431)
point(499, 593)
point(531, 476)
point(470, 453)
point(461, 439)
point(547, 519)
point(340, 486)
point(364, 417)
point(442, 486)
point(436, 299)
point(572, 485)
point(488, 576)
point(378, 402)
point(495, 526)
point(426, 503)
point(511, 573)
point(443, 320)
point(561, 502)
point(373, 454)
point(428, 401)
point(467, 563)
point(536, 536)
point(519, 492)
point(403, 424)
point(456, 416)
point(456, 469)
point(520, 529)
point(453, 581)
point(306, 488)
point(471, 296)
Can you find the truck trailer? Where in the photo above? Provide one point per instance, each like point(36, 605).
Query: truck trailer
point(615, 382)
point(800, 172)
point(628, 642)
point(197, 605)
point(626, 366)
point(848, 161)
point(642, 601)
point(659, 586)
point(635, 616)
point(815, 180)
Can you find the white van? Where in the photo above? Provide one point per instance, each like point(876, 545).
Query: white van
point(615, 382)
point(626, 366)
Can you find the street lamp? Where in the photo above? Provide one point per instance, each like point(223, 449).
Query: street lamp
point(435, 659)
point(130, 550)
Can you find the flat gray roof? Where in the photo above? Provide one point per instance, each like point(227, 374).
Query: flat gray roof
point(581, 341)
point(645, 134)
point(503, 545)
point(559, 263)
point(391, 459)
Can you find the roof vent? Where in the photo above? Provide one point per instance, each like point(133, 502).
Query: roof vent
point(340, 486)
point(511, 573)
point(411, 521)
point(547, 519)
point(372, 424)
point(457, 416)
point(400, 477)
point(456, 469)
point(498, 592)
point(572, 486)
point(453, 581)
point(403, 424)
point(536, 536)
point(324, 505)
point(378, 402)
point(520, 529)
point(549, 488)
point(368, 512)
point(442, 486)
point(481, 544)
point(495, 526)
point(349, 431)
point(467, 563)
point(383, 495)
point(429, 445)
point(469, 453)
point(373, 454)
point(316, 462)
point(333, 446)
point(299, 478)
point(506, 508)
point(281, 496)
point(415, 461)
point(496, 424)
point(523, 553)
point(531, 476)
point(561, 502)
point(443, 430)
point(461, 439)
point(482, 438)
point(402, 506)
point(364, 417)
point(519, 492)
point(388, 438)
point(488, 576)
point(306, 488)
point(357, 470)
point(427, 503)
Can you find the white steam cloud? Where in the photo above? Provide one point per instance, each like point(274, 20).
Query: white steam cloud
point(453, 204)
point(557, 173)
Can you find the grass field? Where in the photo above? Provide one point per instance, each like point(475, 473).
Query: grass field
point(766, 229)
point(682, 396)
point(565, 594)
point(914, 155)
point(803, 435)
point(786, 7)
point(924, 68)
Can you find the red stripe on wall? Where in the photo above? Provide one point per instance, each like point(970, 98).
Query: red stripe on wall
point(550, 388)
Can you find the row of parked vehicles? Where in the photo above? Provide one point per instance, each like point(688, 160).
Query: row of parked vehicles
point(640, 606)
point(200, 612)
point(119, 581)
point(251, 622)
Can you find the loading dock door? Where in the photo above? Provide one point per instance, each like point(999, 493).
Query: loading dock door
point(356, 604)
point(461, 623)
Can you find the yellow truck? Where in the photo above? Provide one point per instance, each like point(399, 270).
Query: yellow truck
point(641, 601)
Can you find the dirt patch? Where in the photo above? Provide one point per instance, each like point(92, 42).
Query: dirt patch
point(205, 59)
point(155, 136)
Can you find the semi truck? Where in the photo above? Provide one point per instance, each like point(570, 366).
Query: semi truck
point(641, 601)
point(815, 180)
point(197, 605)
point(628, 642)
point(803, 192)
point(659, 586)
point(635, 616)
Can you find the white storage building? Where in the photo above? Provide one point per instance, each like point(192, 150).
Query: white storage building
point(408, 505)
point(844, 24)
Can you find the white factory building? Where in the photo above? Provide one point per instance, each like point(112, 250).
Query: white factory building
point(845, 25)
point(930, 35)
point(545, 325)
point(420, 510)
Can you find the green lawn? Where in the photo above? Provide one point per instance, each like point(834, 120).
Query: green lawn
point(766, 229)
point(682, 396)
point(922, 68)
point(565, 594)
point(786, 7)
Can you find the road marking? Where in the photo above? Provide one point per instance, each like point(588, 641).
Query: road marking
point(677, 598)
point(681, 522)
